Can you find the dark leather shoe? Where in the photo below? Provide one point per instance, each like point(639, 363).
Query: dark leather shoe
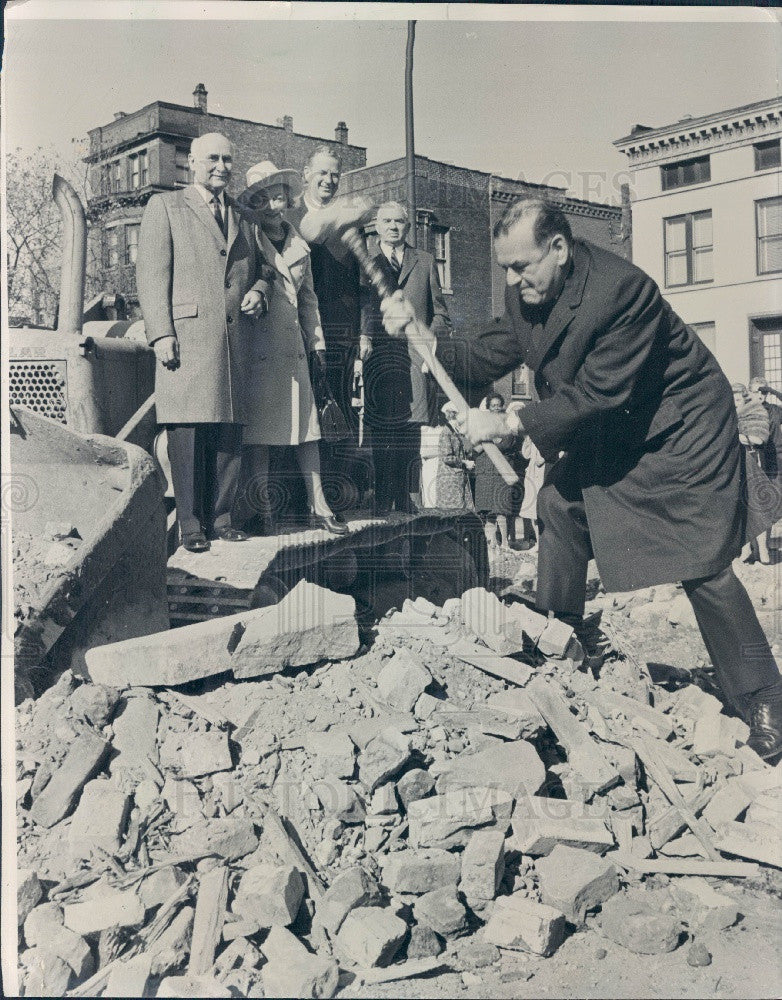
point(330, 523)
point(230, 535)
point(196, 541)
point(765, 724)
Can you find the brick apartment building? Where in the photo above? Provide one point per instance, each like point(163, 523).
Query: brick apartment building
point(145, 151)
point(456, 210)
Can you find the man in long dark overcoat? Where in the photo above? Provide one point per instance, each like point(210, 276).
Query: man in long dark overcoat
point(400, 398)
point(637, 423)
point(201, 279)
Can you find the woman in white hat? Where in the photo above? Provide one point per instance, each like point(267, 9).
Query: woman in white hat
point(281, 409)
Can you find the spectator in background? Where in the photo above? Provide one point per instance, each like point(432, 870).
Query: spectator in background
point(494, 499)
point(400, 398)
point(453, 483)
point(753, 435)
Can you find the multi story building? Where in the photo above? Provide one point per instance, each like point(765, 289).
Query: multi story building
point(146, 151)
point(456, 209)
point(707, 226)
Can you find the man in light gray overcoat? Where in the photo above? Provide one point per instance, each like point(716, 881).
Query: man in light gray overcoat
point(201, 280)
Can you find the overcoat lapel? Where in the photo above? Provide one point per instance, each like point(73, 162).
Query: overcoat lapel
point(409, 260)
point(204, 214)
point(233, 223)
point(564, 308)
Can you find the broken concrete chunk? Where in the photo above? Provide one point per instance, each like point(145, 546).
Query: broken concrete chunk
point(540, 823)
point(414, 785)
point(157, 888)
point(383, 801)
point(558, 639)
point(574, 881)
point(129, 978)
point(99, 820)
point(483, 865)
point(371, 935)
point(228, 838)
point(379, 761)
point(28, 893)
point(193, 753)
point(309, 624)
point(423, 943)
point(183, 800)
point(351, 888)
point(48, 975)
point(70, 947)
point(420, 871)
point(42, 922)
point(172, 947)
point(81, 763)
point(487, 617)
point(340, 800)
point(630, 920)
point(402, 680)
point(293, 971)
point(441, 910)
point(756, 843)
point(521, 924)
point(448, 820)
point(518, 704)
point(270, 894)
point(95, 703)
point(514, 768)
point(135, 737)
point(333, 753)
point(188, 987)
point(105, 908)
point(426, 705)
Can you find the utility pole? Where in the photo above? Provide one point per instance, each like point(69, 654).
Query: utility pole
point(410, 133)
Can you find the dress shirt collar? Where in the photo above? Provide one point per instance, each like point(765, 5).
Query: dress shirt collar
point(207, 195)
point(388, 251)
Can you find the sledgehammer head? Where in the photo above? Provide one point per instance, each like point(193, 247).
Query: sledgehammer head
point(334, 220)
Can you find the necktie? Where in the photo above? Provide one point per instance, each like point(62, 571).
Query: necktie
point(218, 214)
point(395, 262)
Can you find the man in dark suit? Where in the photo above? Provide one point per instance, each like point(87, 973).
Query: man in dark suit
point(638, 424)
point(200, 281)
point(400, 398)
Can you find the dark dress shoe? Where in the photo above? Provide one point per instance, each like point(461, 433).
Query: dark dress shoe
point(196, 541)
point(330, 523)
point(765, 723)
point(230, 535)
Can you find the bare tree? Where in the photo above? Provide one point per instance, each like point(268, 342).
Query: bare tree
point(33, 239)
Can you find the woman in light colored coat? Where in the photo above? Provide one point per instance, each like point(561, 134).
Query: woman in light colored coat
point(281, 405)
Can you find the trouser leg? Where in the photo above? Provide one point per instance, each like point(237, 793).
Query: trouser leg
point(252, 494)
point(182, 445)
point(564, 547)
point(732, 634)
point(408, 463)
point(226, 459)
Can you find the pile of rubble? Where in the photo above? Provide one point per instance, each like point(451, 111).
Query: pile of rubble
point(210, 818)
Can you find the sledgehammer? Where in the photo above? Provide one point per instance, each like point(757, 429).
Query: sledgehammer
point(341, 221)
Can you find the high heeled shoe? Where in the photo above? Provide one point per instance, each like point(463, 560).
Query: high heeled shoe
point(329, 523)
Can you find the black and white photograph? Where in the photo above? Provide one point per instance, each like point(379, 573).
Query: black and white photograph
point(391, 500)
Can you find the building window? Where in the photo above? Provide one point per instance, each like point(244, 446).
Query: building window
point(686, 172)
point(520, 383)
point(105, 179)
point(768, 220)
point(116, 175)
point(131, 243)
point(138, 170)
point(112, 247)
point(688, 249)
point(182, 168)
point(767, 154)
point(707, 333)
point(442, 256)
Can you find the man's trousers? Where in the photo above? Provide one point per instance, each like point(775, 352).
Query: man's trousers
point(205, 463)
point(396, 456)
point(729, 626)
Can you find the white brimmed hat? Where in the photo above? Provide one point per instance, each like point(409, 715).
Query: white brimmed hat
point(266, 174)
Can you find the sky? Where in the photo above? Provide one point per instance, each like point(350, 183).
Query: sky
point(539, 100)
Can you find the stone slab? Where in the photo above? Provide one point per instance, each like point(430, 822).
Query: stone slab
point(521, 924)
point(81, 763)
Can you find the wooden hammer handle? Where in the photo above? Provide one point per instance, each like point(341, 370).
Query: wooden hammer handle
point(352, 238)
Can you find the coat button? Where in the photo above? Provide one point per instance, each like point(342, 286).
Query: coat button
point(230, 319)
point(228, 284)
point(223, 253)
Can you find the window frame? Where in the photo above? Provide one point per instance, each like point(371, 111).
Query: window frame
point(182, 166)
point(116, 176)
point(688, 248)
point(443, 264)
point(112, 247)
point(681, 164)
point(768, 144)
point(758, 237)
point(131, 248)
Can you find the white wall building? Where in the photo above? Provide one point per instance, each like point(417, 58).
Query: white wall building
point(707, 226)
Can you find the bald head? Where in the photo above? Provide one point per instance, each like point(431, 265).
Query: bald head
point(211, 160)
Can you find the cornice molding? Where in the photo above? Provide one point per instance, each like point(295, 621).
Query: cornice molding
point(676, 143)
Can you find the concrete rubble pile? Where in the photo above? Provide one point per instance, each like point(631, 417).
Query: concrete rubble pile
point(263, 806)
